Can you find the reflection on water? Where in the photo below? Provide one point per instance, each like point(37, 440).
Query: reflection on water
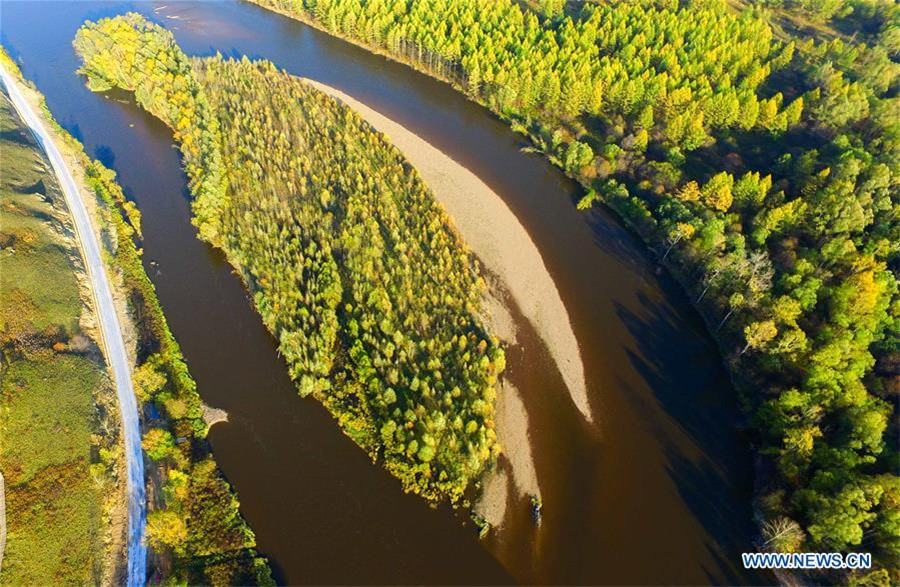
point(660, 494)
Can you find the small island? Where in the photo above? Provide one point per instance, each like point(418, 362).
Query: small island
point(354, 267)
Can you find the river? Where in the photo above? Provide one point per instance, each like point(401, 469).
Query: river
point(657, 491)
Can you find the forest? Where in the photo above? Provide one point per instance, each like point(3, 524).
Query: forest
point(355, 269)
point(755, 147)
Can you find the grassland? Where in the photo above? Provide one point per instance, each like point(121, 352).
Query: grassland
point(59, 437)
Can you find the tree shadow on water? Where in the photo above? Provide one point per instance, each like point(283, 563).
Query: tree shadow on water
point(105, 155)
point(75, 131)
point(695, 416)
point(618, 241)
point(723, 508)
point(682, 367)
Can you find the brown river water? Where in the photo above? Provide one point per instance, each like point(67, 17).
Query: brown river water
point(657, 490)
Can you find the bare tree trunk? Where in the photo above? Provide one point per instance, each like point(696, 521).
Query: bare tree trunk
point(670, 248)
point(725, 319)
point(703, 293)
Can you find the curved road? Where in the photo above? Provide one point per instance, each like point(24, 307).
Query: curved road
point(111, 333)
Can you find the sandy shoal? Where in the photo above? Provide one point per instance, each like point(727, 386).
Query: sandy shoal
point(493, 232)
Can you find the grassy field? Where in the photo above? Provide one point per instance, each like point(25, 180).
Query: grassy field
point(59, 434)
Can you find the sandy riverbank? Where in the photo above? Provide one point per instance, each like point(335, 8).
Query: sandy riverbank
point(496, 236)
